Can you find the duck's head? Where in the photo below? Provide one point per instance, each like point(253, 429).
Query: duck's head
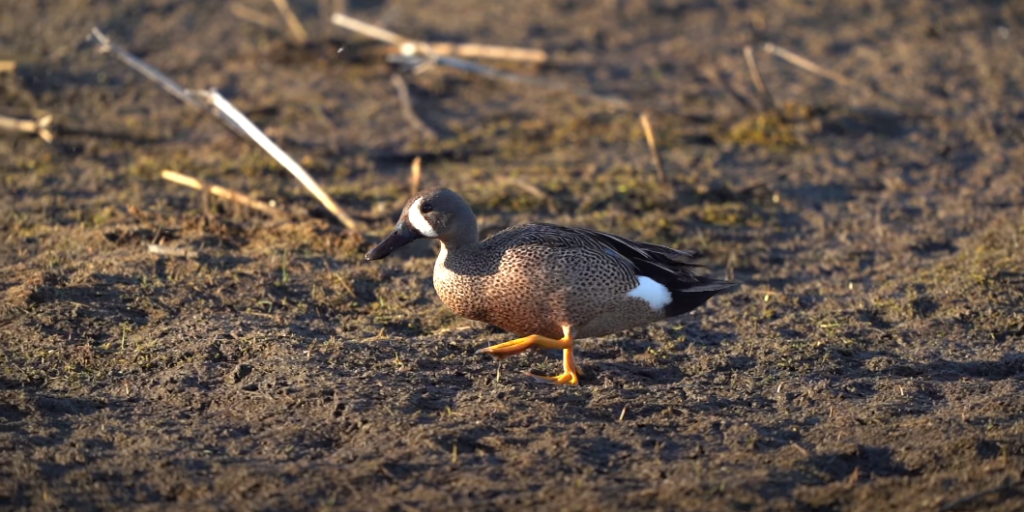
point(434, 213)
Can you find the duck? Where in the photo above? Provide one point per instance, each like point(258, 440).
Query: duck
point(549, 285)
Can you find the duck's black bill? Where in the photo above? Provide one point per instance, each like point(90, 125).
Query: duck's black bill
point(402, 235)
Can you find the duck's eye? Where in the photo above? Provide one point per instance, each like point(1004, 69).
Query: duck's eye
point(426, 208)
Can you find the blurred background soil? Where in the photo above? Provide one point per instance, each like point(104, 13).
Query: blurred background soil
point(872, 360)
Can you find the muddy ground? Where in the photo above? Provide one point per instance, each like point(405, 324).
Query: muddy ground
point(872, 360)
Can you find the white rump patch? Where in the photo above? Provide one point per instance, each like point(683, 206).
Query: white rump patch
point(654, 293)
point(419, 223)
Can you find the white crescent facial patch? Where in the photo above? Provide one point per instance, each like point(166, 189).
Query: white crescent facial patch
point(419, 223)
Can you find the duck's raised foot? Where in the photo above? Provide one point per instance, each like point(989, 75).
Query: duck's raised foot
point(570, 374)
point(520, 345)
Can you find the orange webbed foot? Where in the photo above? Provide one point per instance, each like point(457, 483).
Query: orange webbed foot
point(571, 372)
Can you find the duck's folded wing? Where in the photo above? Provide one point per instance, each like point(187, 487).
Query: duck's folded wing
point(665, 265)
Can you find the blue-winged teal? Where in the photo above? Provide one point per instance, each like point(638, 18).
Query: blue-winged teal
point(549, 284)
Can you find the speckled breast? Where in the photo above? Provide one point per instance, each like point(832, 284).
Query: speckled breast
point(495, 286)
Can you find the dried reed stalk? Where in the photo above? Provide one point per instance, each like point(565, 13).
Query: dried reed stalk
point(213, 98)
point(767, 102)
point(220, 107)
point(168, 85)
point(409, 47)
point(402, 89)
point(423, 55)
point(415, 172)
point(479, 51)
point(39, 127)
point(165, 83)
point(652, 145)
point(805, 64)
point(244, 12)
point(222, 192)
point(295, 28)
point(177, 252)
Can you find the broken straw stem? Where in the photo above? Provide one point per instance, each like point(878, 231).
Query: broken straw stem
point(165, 82)
point(223, 105)
point(818, 70)
point(177, 252)
point(222, 192)
point(295, 28)
point(487, 51)
point(409, 47)
point(367, 29)
point(767, 102)
point(415, 173)
point(408, 112)
point(652, 146)
point(805, 64)
point(418, 53)
point(251, 15)
point(172, 88)
point(39, 127)
point(415, 61)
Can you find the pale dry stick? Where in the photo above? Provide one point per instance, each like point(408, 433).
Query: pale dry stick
point(172, 88)
point(854, 477)
point(8, 66)
point(324, 8)
point(165, 83)
point(257, 17)
point(410, 47)
point(715, 75)
point(652, 145)
point(224, 106)
point(420, 61)
point(527, 187)
point(767, 102)
point(368, 29)
point(419, 54)
point(480, 51)
point(805, 64)
point(417, 62)
point(39, 127)
point(179, 252)
point(801, 449)
point(402, 89)
point(338, 6)
point(415, 172)
point(531, 189)
point(295, 28)
point(818, 70)
point(221, 192)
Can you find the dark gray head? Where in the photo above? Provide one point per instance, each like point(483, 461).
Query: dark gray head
point(434, 213)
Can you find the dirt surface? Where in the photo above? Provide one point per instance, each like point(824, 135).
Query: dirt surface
point(872, 360)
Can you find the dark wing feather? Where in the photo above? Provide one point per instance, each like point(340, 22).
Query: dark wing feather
point(663, 264)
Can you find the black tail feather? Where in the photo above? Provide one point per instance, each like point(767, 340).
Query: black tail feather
point(692, 296)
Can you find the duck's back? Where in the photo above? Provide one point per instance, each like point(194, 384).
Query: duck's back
point(535, 278)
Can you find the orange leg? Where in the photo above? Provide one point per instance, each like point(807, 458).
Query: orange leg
point(571, 372)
